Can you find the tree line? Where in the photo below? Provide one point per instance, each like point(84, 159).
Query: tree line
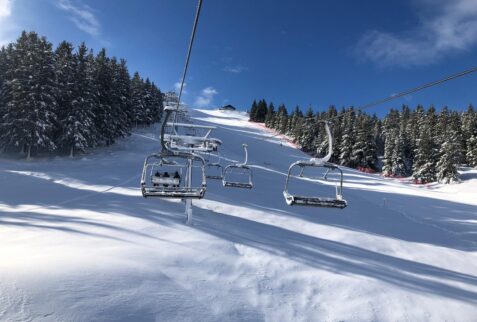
point(421, 142)
point(68, 100)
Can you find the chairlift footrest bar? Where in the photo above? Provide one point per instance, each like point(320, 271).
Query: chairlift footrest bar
point(238, 185)
point(315, 201)
point(176, 193)
point(214, 177)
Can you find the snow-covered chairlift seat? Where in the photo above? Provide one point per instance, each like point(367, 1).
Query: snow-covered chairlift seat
point(213, 169)
point(243, 170)
point(171, 187)
point(317, 201)
point(202, 143)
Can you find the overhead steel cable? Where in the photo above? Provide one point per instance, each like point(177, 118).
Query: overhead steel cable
point(407, 92)
point(191, 43)
point(398, 95)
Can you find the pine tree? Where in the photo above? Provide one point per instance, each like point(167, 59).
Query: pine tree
point(399, 164)
point(94, 97)
point(118, 102)
point(471, 152)
point(261, 111)
point(413, 129)
point(4, 67)
point(449, 158)
point(348, 138)
point(66, 83)
point(364, 152)
point(391, 133)
point(469, 133)
point(455, 125)
point(137, 100)
point(405, 140)
point(296, 124)
point(442, 124)
point(29, 117)
point(282, 121)
point(122, 84)
point(307, 137)
point(105, 118)
point(3, 73)
point(378, 134)
point(358, 151)
point(78, 123)
point(269, 117)
point(424, 168)
point(389, 153)
point(156, 103)
point(148, 102)
point(253, 111)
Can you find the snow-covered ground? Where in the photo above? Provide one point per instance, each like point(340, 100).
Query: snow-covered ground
point(79, 243)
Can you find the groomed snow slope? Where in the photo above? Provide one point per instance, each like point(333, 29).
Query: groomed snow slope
point(79, 243)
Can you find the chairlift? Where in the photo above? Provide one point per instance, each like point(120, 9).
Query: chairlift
point(213, 168)
point(184, 137)
point(238, 170)
point(168, 176)
point(173, 173)
point(317, 201)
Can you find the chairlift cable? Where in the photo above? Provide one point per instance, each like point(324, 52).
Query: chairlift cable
point(396, 96)
point(408, 92)
point(189, 51)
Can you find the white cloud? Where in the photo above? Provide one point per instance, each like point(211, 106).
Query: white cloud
point(177, 88)
point(82, 16)
point(445, 27)
point(234, 69)
point(8, 29)
point(206, 97)
point(5, 8)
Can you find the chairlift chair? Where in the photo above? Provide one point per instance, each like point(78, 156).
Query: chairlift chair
point(190, 140)
point(234, 170)
point(166, 175)
point(317, 201)
point(172, 173)
point(213, 168)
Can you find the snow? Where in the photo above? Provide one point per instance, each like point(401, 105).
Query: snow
point(79, 243)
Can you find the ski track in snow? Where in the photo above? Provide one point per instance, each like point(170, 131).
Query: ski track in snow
point(79, 243)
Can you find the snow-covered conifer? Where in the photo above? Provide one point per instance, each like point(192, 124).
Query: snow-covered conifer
point(29, 119)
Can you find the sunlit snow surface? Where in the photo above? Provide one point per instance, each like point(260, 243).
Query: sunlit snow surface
point(79, 243)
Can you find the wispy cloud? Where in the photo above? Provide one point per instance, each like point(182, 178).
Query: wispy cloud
point(82, 16)
point(206, 97)
point(177, 87)
point(234, 69)
point(7, 26)
point(5, 8)
point(445, 27)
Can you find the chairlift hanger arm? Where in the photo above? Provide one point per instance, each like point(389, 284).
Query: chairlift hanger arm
point(327, 157)
point(244, 163)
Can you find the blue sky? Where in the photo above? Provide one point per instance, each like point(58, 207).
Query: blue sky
point(294, 52)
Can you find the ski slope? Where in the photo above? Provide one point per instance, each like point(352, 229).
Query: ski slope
point(79, 243)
